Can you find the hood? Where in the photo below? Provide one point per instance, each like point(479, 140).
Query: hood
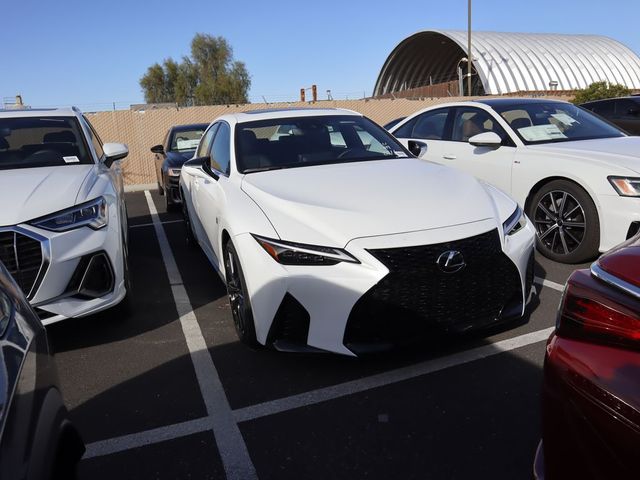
point(620, 151)
point(334, 204)
point(28, 193)
point(177, 159)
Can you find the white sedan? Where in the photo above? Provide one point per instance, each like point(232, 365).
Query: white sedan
point(63, 222)
point(576, 176)
point(328, 242)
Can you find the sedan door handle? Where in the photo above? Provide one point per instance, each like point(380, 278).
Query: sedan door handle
point(449, 156)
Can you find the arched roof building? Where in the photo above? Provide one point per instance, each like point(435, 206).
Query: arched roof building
point(508, 62)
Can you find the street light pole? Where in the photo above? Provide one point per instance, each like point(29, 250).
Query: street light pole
point(469, 57)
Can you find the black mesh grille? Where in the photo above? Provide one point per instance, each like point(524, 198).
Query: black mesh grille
point(416, 296)
point(22, 256)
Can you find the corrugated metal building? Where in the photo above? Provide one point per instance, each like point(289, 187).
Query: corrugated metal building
point(508, 62)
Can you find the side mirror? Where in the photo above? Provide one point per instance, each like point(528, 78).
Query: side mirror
point(114, 152)
point(486, 139)
point(158, 149)
point(417, 148)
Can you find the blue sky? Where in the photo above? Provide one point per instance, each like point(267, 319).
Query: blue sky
point(91, 53)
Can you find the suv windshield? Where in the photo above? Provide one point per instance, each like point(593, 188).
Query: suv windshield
point(537, 123)
point(30, 142)
point(185, 140)
point(298, 142)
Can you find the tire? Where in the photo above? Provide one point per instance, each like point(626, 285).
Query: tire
point(160, 189)
point(190, 236)
point(566, 222)
point(239, 298)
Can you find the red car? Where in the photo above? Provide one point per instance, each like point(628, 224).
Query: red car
point(591, 389)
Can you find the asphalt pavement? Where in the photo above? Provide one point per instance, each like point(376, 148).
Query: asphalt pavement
point(165, 391)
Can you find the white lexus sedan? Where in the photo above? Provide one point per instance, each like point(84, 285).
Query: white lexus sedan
point(63, 223)
point(576, 176)
point(331, 236)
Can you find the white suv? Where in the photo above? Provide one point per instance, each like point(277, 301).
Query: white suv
point(63, 222)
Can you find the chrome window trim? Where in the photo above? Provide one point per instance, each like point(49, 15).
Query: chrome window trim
point(614, 281)
point(45, 245)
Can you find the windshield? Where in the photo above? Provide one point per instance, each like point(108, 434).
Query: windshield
point(185, 140)
point(298, 142)
point(538, 123)
point(41, 142)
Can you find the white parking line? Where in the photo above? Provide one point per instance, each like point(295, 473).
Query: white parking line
point(548, 283)
point(313, 397)
point(151, 224)
point(233, 451)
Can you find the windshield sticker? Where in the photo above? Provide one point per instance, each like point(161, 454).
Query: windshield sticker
point(539, 133)
point(187, 144)
point(72, 159)
point(400, 154)
point(564, 118)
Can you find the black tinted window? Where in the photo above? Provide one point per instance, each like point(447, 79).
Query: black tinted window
point(604, 108)
point(406, 130)
point(627, 108)
point(41, 142)
point(430, 125)
point(220, 150)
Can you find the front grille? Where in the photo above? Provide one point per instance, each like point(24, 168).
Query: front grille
point(417, 297)
point(22, 256)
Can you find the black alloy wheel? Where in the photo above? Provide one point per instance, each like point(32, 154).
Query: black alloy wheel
point(566, 222)
point(238, 297)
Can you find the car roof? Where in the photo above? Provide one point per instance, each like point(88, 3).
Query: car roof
point(501, 102)
point(40, 112)
point(267, 114)
point(635, 98)
point(190, 126)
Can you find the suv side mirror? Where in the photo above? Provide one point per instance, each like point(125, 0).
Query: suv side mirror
point(158, 149)
point(114, 152)
point(486, 139)
point(417, 148)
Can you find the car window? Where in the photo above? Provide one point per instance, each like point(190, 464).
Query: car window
point(468, 122)
point(205, 141)
point(29, 142)
point(604, 108)
point(312, 140)
point(549, 122)
point(184, 140)
point(626, 107)
point(428, 126)
point(220, 149)
point(95, 139)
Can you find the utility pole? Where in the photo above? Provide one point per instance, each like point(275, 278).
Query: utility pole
point(469, 51)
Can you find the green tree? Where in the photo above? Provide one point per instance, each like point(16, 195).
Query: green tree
point(209, 76)
point(600, 90)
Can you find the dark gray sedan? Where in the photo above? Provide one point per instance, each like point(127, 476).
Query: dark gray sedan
point(37, 440)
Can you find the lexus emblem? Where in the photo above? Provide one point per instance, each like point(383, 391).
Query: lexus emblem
point(451, 261)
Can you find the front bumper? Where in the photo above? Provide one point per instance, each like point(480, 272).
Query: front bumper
point(172, 189)
point(315, 306)
point(81, 270)
point(619, 217)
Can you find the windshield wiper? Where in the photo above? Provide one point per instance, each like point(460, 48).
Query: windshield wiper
point(263, 169)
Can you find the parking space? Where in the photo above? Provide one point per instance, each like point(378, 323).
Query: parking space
point(146, 399)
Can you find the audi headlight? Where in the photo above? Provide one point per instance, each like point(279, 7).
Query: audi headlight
point(515, 222)
point(173, 172)
point(290, 253)
point(94, 214)
point(626, 186)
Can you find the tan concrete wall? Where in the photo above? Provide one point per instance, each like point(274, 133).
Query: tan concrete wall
point(141, 130)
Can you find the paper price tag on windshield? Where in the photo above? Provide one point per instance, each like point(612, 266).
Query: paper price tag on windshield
point(539, 133)
point(187, 144)
point(564, 118)
point(72, 159)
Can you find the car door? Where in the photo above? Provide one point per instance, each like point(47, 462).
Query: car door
point(210, 188)
point(491, 164)
point(428, 128)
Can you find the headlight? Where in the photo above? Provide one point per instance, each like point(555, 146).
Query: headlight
point(515, 222)
point(174, 172)
point(94, 214)
point(290, 253)
point(626, 186)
